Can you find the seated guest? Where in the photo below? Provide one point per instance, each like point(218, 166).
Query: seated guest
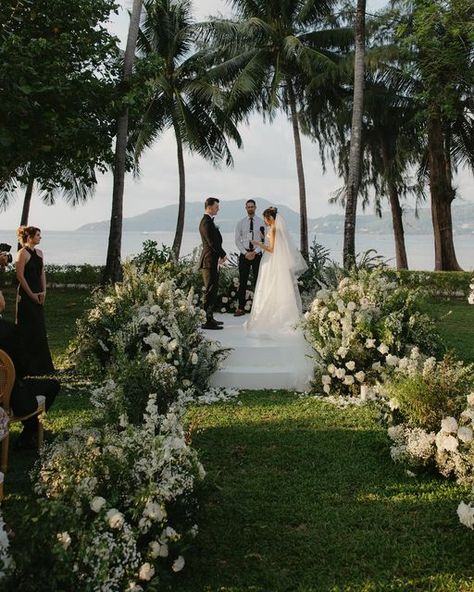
point(25, 390)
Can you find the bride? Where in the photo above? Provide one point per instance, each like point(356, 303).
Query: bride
point(276, 308)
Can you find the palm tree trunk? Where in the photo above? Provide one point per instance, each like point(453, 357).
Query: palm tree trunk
point(300, 171)
point(25, 212)
point(396, 210)
point(442, 196)
point(178, 237)
point(113, 268)
point(353, 178)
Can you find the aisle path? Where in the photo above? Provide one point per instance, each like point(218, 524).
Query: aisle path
point(256, 363)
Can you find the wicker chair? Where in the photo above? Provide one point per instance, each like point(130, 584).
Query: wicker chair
point(7, 380)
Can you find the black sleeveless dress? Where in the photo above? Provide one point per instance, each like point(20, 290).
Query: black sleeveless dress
point(30, 320)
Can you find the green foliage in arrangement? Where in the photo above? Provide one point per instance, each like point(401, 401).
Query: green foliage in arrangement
point(425, 398)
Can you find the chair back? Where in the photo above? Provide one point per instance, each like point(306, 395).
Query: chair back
point(7, 380)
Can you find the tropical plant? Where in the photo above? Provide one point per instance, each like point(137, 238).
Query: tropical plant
point(353, 178)
point(432, 60)
point(273, 55)
point(180, 95)
point(113, 269)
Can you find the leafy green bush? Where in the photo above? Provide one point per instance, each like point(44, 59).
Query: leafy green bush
point(425, 397)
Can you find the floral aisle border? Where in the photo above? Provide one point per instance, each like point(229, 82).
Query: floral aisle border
point(117, 501)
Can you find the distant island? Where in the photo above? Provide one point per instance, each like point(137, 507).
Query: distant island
point(164, 219)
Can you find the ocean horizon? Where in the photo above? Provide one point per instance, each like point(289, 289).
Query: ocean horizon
point(79, 247)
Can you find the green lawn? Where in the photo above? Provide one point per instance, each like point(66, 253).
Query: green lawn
point(300, 496)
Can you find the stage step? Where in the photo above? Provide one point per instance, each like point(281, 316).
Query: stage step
point(257, 363)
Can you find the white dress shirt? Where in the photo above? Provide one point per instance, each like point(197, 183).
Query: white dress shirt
point(243, 236)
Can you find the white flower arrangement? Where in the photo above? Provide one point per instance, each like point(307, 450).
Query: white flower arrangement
point(363, 327)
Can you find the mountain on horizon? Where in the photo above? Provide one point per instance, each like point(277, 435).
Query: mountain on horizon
point(164, 219)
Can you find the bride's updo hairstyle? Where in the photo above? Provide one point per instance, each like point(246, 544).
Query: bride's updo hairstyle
point(270, 213)
point(25, 232)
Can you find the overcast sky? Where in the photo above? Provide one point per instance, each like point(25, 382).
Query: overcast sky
point(265, 167)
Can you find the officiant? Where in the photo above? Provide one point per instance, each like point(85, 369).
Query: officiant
point(248, 229)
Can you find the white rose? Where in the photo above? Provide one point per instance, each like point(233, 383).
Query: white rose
point(376, 366)
point(154, 549)
point(147, 571)
point(115, 518)
point(470, 399)
point(97, 503)
point(340, 373)
point(465, 435)
point(369, 343)
point(466, 514)
point(178, 564)
point(449, 425)
point(225, 300)
point(331, 368)
point(163, 550)
point(391, 360)
point(351, 306)
point(153, 511)
point(351, 365)
point(327, 389)
point(342, 352)
point(325, 379)
point(383, 349)
point(194, 359)
point(360, 376)
point(64, 539)
point(349, 379)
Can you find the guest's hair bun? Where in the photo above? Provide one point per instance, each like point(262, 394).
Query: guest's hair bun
point(25, 232)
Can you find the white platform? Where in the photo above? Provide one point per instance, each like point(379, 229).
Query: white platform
point(258, 363)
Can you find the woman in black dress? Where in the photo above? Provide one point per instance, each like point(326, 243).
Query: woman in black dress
point(30, 302)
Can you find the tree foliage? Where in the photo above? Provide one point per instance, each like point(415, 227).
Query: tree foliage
point(57, 91)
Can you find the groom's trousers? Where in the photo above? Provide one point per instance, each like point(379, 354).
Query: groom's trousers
point(245, 265)
point(210, 276)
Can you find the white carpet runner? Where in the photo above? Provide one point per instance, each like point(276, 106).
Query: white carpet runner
point(259, 363)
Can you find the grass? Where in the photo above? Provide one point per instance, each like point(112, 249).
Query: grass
point(300, 496)
point(456, 324)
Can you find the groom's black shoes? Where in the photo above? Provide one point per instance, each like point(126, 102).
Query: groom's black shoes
point(218, 322)
point(211, 324)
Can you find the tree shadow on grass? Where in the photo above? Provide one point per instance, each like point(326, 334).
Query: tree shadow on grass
point(290, 507)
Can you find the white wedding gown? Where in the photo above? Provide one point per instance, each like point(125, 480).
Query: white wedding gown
point(276, 308)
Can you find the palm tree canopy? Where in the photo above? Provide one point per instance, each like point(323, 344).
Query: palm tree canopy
point(180, 95)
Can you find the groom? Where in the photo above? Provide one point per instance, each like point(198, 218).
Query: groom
point(212, 256)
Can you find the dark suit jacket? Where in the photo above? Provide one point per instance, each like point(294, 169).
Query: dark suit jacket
point(211, 243)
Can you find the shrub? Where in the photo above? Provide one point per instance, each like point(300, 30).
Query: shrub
point(423, 398)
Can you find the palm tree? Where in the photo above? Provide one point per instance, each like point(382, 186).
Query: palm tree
point(180, 95)
point(353, 179)
point(113, 268)
point(272, 54)
point(435, 64)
